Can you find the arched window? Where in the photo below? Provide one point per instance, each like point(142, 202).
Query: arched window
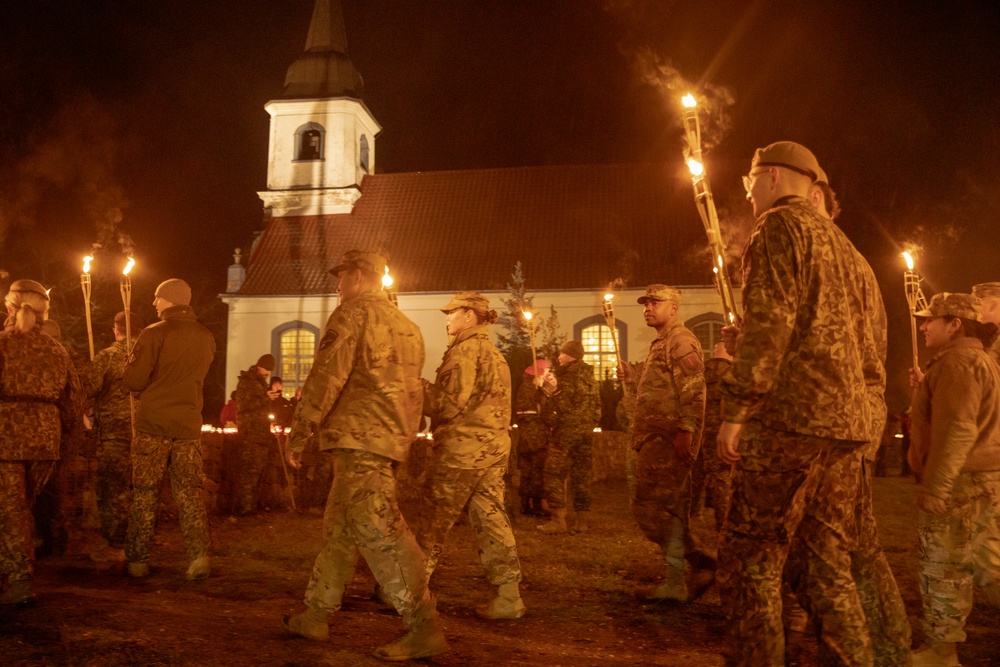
point(598, 345)
point(309, 141)
point(708, 328)
point(364, 154)
point(296, 346)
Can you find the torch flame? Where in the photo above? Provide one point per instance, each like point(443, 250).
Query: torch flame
point(909, 260)
point(387, 279)
point(719, 260)
point(527, 315)
point(608, 297)
point(697, 168)
point(86, 263)
point(128, 267)
point(688, 101)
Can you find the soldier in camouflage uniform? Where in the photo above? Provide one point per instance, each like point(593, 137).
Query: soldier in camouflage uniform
point(796, 416)
point(469, 408)
point(167, 367)
point(573, 401)
point(532, 439)
point(253, 415)
point(669, 414)
point(363, 399)
point(989, 295)
point(710, 476)
point(956, 455)
point(40, 400)
point(102, 383)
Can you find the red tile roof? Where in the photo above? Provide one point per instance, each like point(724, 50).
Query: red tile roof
point(571, 227)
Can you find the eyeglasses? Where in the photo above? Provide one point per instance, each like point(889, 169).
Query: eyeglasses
point(748, 179)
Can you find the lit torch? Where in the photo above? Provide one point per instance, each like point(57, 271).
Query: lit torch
point(85, 285)
point(529, 320)
point(609, 318)
point(914, 299)
point(387, 282)
point(706, 206)
point(126, 290)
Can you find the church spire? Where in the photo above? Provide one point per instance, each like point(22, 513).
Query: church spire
point(324, 69)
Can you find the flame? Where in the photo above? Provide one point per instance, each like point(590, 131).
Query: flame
point(128, 267)
point(719, 259)
point(909, 260)
point(528, 314)
point(732, 318)
point(715, 269)
point(608, 297)
point(86, 263)
point(688, 101)
point(387, 279)
point(697, 168)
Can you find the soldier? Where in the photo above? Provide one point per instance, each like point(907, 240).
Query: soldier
point(469, 407)
point(796, 415)
point(40, 400)
point(102, 383)
point(669, 414)
point(574, 401)
point(989, 295)
point(254, 418)
point(364, 398)
point(956, 455)
point(167, 366)
point(532, 439)
point(710, 475)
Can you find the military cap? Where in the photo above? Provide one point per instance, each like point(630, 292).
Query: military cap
point(474, 301)
point(360, 259)
point(790, 155)
point(987, 290)
point(952, 304)
point(660, 293)
point(538, 369)
point(821, 176)
point(32, 286)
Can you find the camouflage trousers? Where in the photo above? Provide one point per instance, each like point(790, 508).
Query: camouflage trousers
point(447, 492)
point(152, 455)
point(958, 549)
point(662, 498)
point(19, 482)
point(254, 455)
point(570, 452)
point(319, 478)
point(363, 517)
point(789, 485)
point(113, 485)
point(885, 613)
point(532, 442)
point(711, 482)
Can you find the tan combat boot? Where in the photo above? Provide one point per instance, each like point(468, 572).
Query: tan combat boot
point(507, 605)
point(673, 588)
point(138, 570)
point(581, 521)
point(557, 524)
point(422, 641)
point(939, 654)
point(199, 568)
point(310, 624)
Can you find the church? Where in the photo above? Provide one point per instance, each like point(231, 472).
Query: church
point(574, 229)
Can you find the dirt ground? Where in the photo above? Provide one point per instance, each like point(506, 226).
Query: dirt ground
point(578, 589)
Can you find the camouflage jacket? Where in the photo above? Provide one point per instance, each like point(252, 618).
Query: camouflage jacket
point(576, 403)
point(799, 364)
point(102, 383)
point(670, 390)
point(253, 408)
point(715, 369)
point(40, 396)
point(955, 415)
point(469, 403)
point(874, 351)
point(364, 389)
point(528, 402)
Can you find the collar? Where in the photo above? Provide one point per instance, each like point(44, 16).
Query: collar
point(965, 342)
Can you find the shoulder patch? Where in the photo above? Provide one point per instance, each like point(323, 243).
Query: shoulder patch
point(329, 338)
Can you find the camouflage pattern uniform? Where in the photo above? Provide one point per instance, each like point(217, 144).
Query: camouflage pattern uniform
point(167, 366)
point(669, 398)
point(798, 385)
point(989, 291)
point(625, 414)
point(469, 407)
point(711, 475)
point(40, 400)
point(956, 455)
point(363, 398)
point(102, 382)
point(532, 438)
point(575, 410)
point(253, 407)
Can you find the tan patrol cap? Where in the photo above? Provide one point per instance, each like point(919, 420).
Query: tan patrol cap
point(660, 293)
point(32, 286)
point(360, 259)
point(987, 290)
point(790, 155)
point(474, 301)
point(953, 304)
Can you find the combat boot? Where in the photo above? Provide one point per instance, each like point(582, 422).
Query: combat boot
point(672, 588)
point(18, 592)
point(581, 521)
point(105, 553)
point(939, 654)
point(557, 524)
point(507, 605)
point(422, 641)
point(199, 568)
point(138, 570)
point(310, 624)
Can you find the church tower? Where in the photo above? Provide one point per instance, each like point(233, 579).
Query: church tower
point(322, 137)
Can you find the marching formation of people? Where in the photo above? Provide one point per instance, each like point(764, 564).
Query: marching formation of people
point(777, 432)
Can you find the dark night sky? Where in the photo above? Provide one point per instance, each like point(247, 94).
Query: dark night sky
point(156, 109)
